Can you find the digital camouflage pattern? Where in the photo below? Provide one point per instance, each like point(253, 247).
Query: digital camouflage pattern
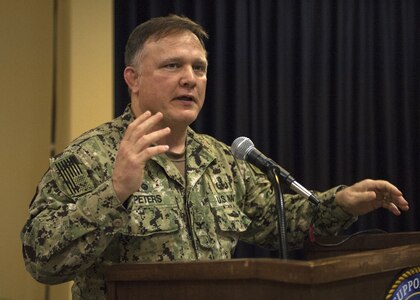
point(77, 226)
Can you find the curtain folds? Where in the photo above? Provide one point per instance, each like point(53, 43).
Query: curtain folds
point(329, 89)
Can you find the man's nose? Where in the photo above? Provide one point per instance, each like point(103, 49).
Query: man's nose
point(188, 77)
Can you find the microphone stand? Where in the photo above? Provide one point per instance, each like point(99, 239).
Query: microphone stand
point(273, 175)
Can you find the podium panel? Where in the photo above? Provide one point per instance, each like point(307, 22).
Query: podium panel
point(361, 274)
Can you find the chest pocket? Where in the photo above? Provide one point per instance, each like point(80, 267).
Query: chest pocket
point(146, 220)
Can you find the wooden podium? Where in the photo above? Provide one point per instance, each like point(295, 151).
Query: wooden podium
point(365, 267)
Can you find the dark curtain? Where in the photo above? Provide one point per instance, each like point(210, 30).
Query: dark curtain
point(327, 88)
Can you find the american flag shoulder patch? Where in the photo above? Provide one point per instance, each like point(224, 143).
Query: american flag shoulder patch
point(73, 175)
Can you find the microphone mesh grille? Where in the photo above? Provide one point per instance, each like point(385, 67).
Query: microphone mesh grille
point(241, 146)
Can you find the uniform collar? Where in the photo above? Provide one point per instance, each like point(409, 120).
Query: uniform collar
point(199, 156)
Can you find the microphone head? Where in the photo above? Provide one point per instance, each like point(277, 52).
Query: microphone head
point(241, 146)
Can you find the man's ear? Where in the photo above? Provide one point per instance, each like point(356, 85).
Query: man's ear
point(130, 77)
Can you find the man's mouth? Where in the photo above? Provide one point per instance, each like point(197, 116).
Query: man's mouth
point(185, 98)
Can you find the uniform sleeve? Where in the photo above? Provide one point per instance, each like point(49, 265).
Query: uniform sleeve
point(260, 205)
point(73, 217)
point(327, 219)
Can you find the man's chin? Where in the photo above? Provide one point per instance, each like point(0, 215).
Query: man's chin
point(186, 118)
point(181, 122)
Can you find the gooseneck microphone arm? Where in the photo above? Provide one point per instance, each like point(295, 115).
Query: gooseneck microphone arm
point(273, 176)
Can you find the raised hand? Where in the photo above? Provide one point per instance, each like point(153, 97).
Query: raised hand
point(138, 145)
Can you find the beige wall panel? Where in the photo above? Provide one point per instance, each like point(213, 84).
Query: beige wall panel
point(25, 100)
point(90, 65)
point(84, 100)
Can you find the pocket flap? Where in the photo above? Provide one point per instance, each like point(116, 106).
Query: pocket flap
point(148, 220)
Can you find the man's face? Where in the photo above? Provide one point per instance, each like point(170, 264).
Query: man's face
point(172, 78)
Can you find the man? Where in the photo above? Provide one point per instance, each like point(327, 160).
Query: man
point(145, 187)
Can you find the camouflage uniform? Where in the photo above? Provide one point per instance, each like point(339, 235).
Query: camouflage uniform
point(77, 225)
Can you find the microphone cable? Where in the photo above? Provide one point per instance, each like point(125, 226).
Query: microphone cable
point(347, 238)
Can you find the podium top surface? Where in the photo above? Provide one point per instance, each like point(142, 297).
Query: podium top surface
point(356, 264)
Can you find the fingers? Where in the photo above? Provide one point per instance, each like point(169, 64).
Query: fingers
point(151, 151)
point(142, 125)
point(388, 196)
point(142, 134)
point(146, 145)
point(401, 203)
point(392, 208)
point(382, 187)
point(369, 195)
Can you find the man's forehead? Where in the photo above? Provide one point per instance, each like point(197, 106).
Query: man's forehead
point(175, 37)
point(170, 41)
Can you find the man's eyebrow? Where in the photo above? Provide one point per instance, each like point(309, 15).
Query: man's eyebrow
point(201, 60)
point(181, 59)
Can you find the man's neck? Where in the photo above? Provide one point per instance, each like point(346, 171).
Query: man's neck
point(175, 140)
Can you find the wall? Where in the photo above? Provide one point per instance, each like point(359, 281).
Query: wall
point(84, 100)
point(85, 66)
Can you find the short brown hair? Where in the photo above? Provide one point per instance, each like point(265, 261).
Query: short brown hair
point(158, 28)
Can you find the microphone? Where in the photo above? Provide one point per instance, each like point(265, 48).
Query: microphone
point(243, 148)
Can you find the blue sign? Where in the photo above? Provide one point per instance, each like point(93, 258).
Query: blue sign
point(407, 286)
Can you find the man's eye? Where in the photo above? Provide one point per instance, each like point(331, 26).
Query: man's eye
point(200, 68)
point(172, 66)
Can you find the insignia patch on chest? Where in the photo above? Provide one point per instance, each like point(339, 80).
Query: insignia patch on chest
point(74, 175)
